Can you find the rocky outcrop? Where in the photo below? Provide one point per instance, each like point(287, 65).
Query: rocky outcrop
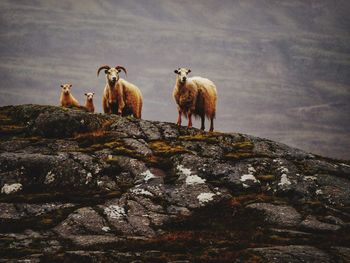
point(81, 186)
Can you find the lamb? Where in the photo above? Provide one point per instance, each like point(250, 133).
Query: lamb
point(89, 102)
point(67, 99)
point(120, 96)
point(195, 96)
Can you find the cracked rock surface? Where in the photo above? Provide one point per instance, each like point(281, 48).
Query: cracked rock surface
point(102, 188)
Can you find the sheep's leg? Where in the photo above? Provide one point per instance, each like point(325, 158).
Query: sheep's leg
point(189, 120)
point(114, 108)
point(211, 124)
point(105, 106)
point(179, 118)
point(202, 122)
point(120, 110)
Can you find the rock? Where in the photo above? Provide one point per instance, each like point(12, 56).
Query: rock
point(290, 233)
point(289, 254)
point(48, 122)
point(113, 189)
point(333, 220)
point(9, 211)
point(82, 221)
point(312, 224)
point(11, 188)
point(18, 211)
point(334, 190)
point(342, 254)
point(126, 127)
point(168, 131)
point(150, 130)
point(91, 241)
point(276, 214)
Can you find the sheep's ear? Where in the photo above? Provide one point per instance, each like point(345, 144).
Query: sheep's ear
point(85, 94)
point(106, 71)
point(176, 71)
point(70, 85)
point(93, 93)
point(189, 71)
point(61, 86)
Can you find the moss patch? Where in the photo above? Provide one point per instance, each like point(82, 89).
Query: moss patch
point(161, 148)
point(11, 129)
point(242, 150)
point(239, 155)
point(202, 136)
point(123, 150)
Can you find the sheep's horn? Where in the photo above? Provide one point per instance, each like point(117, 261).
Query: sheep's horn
point(102, 67)
point(122, 68)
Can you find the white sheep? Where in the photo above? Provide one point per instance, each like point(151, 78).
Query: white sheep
point(67, 99)
point(120, 96)
point(89, 105)
point(195, 96)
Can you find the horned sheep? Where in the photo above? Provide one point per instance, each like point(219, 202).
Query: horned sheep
point(194, 96)
point(120, 96)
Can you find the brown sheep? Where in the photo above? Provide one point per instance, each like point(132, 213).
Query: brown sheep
point(195, 96)
point(120, 96)
point(67, 99)
point(89, 105)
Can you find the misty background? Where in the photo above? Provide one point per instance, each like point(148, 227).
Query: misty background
point(282, 68)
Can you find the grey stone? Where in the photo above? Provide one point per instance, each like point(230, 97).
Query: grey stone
point(82, 221)
point(312, 224)
point(277, 214)
point(333, 220)
point(138, 146)
point(292, 254)
point(150, 130)
point(342, 254)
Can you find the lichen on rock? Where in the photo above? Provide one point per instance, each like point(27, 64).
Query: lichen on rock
point(106, 188)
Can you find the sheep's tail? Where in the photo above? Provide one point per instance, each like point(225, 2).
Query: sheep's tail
point(140, 108)
point(210, 98)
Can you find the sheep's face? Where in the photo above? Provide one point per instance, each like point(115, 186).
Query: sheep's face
point(112, 75)
point(89, 96)
point(182, 74)
point(66, 88)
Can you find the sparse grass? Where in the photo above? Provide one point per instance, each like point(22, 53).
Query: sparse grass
point(243, 200)
point(90, 135)
point(266, 178)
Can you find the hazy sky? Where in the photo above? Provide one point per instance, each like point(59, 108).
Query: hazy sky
point(282, 68)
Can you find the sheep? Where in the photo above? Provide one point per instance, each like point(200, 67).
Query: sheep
point(67, 99)
point(120, 96)
point(89, 105)
point(195, 96)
